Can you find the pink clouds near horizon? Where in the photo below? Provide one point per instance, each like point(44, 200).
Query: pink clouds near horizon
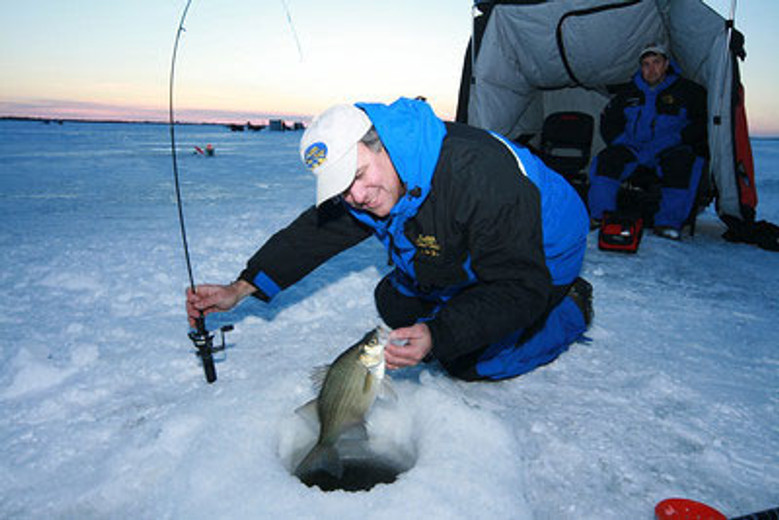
point(61, 109)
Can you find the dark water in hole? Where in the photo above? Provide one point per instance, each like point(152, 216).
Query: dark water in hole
point(358, 475)
point(365, 463)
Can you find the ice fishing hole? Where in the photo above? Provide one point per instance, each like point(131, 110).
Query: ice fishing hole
point(389, 451)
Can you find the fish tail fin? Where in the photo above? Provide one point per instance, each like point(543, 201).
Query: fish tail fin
point(321, 458)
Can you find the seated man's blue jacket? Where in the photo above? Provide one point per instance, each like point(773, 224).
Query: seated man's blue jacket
point(650, 120)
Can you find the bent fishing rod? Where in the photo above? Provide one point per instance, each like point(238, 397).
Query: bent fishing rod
point(202, 339)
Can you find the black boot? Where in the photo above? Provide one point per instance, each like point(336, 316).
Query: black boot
point(581, 294)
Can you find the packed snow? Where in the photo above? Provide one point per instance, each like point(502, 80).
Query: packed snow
point(105, 413)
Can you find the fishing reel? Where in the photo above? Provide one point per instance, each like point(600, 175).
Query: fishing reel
point(204, 344)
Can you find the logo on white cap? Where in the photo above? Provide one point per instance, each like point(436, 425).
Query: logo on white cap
point(315, 155)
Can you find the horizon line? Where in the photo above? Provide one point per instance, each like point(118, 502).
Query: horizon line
point(75, 119)
point(54, 109)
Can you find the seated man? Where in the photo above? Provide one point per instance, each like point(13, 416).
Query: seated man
point(655, 130)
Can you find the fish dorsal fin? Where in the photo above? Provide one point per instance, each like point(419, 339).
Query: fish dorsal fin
point(318, 375)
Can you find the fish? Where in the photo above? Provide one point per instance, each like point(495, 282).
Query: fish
point(348, 390)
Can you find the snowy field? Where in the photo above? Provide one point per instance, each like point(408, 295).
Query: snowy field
point(104, 411)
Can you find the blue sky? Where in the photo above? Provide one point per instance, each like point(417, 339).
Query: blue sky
point(89, 58)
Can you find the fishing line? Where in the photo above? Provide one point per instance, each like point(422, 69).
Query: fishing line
point(172, 125)
point(292, 28)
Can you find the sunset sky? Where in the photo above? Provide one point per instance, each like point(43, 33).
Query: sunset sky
point(240, 59)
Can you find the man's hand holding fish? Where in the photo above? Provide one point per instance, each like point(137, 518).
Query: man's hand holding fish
point(408, 346)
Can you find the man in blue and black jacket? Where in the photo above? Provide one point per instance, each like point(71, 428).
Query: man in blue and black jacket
point(655, 130)
point(487, 242)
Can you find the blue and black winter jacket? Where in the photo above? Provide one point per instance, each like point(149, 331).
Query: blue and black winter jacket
point(484, 229)
point(650, 120)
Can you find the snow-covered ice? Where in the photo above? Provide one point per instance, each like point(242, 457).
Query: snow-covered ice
point(104, 411)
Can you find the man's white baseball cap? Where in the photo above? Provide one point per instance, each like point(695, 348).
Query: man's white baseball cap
point(329, 148)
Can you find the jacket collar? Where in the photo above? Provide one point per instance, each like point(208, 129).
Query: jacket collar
point(412, 135)
point(671, 76)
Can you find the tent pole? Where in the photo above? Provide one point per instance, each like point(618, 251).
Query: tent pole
point(720, 109)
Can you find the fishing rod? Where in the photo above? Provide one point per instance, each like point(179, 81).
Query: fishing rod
point(202, 339)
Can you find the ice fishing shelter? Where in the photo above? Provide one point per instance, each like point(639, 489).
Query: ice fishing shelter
point(529, 59)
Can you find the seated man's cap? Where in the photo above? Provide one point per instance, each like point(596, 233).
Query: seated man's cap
point(653, 48)
point(329, 148)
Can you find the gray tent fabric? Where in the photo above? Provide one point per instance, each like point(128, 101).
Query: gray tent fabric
point(534, 58)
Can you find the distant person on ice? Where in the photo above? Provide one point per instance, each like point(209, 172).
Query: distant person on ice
point(208, 152)
point(486, 241)
point(655, 130)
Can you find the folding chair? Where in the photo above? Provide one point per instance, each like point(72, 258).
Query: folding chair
point(566, 139)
